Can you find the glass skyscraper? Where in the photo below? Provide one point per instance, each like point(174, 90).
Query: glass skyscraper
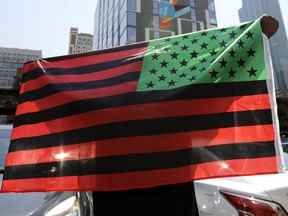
point(279, 42)
point(120, 22)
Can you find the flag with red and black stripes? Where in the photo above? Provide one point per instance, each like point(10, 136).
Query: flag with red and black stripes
point(168, 111)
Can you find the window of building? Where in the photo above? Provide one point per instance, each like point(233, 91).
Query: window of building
point(212, 12)
point(193, 14)
point(131, 18)
point(123, 4)
point(131, 5)
point(115, 41)
point(123, 38)
point(155, 7)
point(134, 5)
point(123, 24)
point(192, 3)
point(155, 22)
point(131, 34)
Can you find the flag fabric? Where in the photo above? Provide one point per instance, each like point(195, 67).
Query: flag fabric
point(162, 112)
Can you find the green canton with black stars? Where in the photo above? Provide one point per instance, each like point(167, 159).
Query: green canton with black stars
point(214, 56)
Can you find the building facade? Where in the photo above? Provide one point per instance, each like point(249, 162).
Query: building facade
point(279, 42)
point(80, 42)
point(120, 22)
point(11, 60)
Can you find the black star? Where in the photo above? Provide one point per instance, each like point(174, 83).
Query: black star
point(173, 71)
point(155, 56)
point(183, 62)
point(222, 43)
point(213, 74)
point(223, 63)
point(241, 62)
point(150, 84)
point(183, 75)
point(240, 44)
point(192, 78)
point(172, 83)
point(232, 53)
point(232, 73)
point(204, 46)
point(193, 68)
point(194, 41)
point(204, 34)
point(194, 54)
point(153, 71)
point(162, 78)
point(202, 69)
point(203, 60)
point(163, 63)
point(249, 34)
point(184, 47)
point(251, 52)
point(174, 55)
point(176, 43)
point(232, 35)
point(252, 72)
point(213, 52)
point(214, 37)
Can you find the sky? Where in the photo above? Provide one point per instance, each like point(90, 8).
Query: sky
point(44, 25)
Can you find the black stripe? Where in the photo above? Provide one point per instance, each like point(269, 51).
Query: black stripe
point(79, 70)
point(145, 127)
point(51, 89)
point(142, 162)
point(183, 93)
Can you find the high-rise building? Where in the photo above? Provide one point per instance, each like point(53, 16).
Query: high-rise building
point(80, 42)
point(12, 59)
point(252, 9)
point(120, 22)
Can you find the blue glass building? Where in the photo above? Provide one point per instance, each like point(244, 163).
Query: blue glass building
point(252, 9)
point(120, 22)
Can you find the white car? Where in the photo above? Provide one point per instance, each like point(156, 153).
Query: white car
point(261, 195)
point(258, 195)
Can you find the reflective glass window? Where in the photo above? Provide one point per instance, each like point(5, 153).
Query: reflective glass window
point(131, 34)
point(131, 18)
point(132, 5)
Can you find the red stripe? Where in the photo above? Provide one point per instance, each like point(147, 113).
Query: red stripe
point(64, 97)
point(145, 179)
point(84, 60)
point(134, 112)
point(143, 144)
point(76, 78)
